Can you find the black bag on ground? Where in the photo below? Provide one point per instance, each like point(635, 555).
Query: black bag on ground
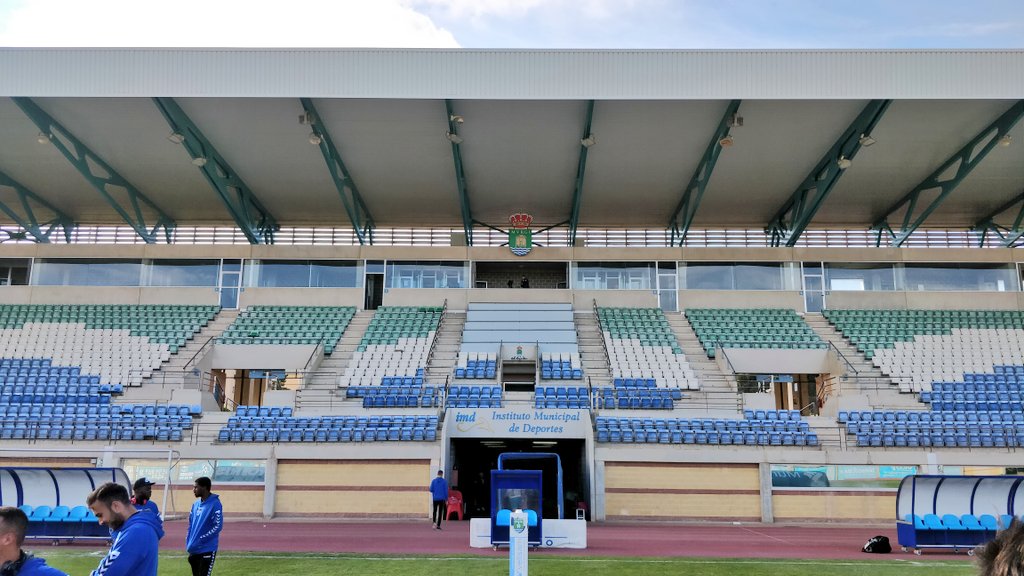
point(877, 545)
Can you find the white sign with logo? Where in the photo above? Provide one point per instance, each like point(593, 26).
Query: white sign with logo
point(526, 423)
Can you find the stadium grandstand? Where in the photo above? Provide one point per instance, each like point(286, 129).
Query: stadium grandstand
point(733, 285)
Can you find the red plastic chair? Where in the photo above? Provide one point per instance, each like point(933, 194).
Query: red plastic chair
point(454, 505)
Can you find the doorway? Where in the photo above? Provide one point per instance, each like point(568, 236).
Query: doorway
point(474, 458)
point(813, 286)
point(230, 283)
point(374, 282)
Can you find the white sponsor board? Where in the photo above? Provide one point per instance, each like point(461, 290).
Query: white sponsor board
point(557, 533)
point(517, 423)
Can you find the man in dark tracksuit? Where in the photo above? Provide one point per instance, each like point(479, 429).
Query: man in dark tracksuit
point(204, 525)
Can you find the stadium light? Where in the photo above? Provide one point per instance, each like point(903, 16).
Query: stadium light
point(735, 121)
point(866, 140)
point(589, 141)
point(726, 142)
point(453, 138)
point(1005, 141)
point(199, 161)
point(306, 119)
point(43, 137)
point(315, 139)
point(844, 163)
point(176, 137)
point(457, 118)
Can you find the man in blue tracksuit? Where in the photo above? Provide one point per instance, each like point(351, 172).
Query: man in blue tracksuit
point(204, 525)
point(137, 534)
point(13, 560)
point(142, 491)
point(439, 496)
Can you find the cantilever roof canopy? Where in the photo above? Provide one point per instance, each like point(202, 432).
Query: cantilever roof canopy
point(521, 117)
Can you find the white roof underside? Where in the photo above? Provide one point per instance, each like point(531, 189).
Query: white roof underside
point(513, 74)
point(524, 112)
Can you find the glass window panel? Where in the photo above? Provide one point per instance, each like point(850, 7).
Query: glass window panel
point(186, 471)
point(426, 274)
point(14, 271)
point(728, 276)
point(853, 477)
point(614, 275)
point(87, 272)
point(183, 272)
point(283, 274)
point(334, 274)
point(860, 276)
point(708, 277)
point(758, 276)
point(960, 277)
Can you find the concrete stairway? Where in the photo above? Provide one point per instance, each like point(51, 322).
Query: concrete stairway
point(441, 363)
point(592, 354)
point(172, 375)
point(321, 389)
point(863, 377)
point(717, 388)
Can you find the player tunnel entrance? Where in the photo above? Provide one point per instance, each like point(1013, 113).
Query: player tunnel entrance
point(472, 460)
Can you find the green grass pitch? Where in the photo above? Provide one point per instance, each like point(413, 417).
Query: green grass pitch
point(80, 562)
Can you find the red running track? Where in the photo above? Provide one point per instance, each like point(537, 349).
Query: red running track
point(709, 540)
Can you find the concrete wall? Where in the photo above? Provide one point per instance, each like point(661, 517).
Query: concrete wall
point(106, 295)
point(740, 299)
point(353, 488)
point(302, 296)
point(291, 357)
point(834, 505)
point(674, 491)
point(772, 361)
point(631, 482)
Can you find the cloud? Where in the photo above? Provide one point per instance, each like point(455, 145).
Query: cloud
point(220, 23)
point(517, 9)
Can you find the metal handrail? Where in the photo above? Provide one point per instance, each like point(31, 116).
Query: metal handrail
point(433, 342)
point(188, 365)
point(849, 365)
point(318, 350)
point(604, 345)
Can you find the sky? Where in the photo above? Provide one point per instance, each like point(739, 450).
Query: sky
point(607, 24)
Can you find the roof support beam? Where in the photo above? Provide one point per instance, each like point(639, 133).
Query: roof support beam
point(26, 217)
point(946, 178)
point(460, 175)
point(796, 214)
point(255, 221)
point(100, 175)
point(682, 216)
point(358, 214)
point(1008, 235)
point(586, 141)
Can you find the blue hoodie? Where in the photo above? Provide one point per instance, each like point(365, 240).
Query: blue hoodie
point(204, 525)
point(149, 506)
point(33, 566)
point(439, 489)
point(135, 548)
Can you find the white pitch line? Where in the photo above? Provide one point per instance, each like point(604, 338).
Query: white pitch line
point(284, 556)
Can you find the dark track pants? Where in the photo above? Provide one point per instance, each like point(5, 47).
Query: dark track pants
point(440, 507)
point(202, 564)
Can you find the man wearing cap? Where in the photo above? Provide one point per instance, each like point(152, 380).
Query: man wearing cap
point(142, 491)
